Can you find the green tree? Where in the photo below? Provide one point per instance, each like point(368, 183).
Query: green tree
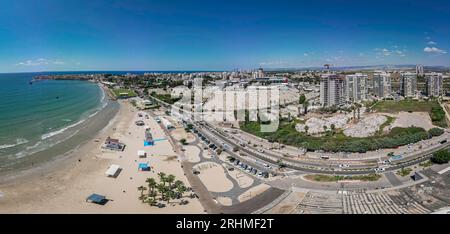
point(435, 132)
point(302, 99)
point(441, 157)
point(142, 189)
point(170, 179)
point(151, 184)
point(162, 178)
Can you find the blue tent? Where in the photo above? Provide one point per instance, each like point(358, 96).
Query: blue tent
point(144, 167)
point(96, 198)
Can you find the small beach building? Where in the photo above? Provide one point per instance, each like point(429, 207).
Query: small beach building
point(143, 167)
point(148, 141)
point(113, 144)
point(113, 171)
point(97, 199)
point(141, 154)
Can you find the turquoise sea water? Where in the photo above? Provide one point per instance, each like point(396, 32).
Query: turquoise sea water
point(35, 116)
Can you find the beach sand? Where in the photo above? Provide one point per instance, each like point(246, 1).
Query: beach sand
point(64, 186)
point(213, 177)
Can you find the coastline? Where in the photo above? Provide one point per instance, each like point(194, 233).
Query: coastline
point(63, 185)
point(61, 150)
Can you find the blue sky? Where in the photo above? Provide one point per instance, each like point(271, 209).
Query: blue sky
point(56, 35)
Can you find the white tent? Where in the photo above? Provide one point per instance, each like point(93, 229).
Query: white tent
point(141, 154)
point(112, 170)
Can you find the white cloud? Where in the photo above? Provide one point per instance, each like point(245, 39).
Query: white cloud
point(432, 43)
point(388, 52)
point(434, 50)
point(305, 54)
point(40, 62)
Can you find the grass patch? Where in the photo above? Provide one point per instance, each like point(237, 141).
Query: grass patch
point(435, 110)
point(165, 98)
point(388, 122)
point(337, 142)
point(124, 93)
point(330, 178)
point(404, 172)
point(426, 164)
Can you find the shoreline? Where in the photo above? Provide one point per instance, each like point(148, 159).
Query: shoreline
point(63, 185)
point(61, 150)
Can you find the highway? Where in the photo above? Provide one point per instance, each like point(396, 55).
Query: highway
point(220, 138)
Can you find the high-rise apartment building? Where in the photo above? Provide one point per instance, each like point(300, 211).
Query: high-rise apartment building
point(408, 84)
point(331, 90)
point(419, 70)
point(434, 83)
point(355, 87)
point(381, 84)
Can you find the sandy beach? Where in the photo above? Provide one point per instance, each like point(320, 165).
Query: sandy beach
point(62, 187)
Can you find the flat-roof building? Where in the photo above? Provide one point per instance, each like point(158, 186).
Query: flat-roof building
point(381, 84)
point(355, 87)
point(434, 83)
point(331, 90)
point(408, 84)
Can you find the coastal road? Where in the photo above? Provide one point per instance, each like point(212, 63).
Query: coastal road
point(271, 158)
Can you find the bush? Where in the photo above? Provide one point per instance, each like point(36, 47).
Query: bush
point(436, 132)
point(441, 157)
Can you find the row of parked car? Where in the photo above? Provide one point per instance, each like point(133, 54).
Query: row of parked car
point(248, 168)
point(205, 140)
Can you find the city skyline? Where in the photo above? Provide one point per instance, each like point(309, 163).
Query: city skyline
point(205, 35)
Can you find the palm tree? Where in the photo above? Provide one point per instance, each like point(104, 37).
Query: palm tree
point(181, 189)
point(151, 184)
point(306, 104)
point(142, 189)
point(325, 128)
point(359, 110)
point(333, 128)
point(170, 179)
point(162, 177)
point(162, 188)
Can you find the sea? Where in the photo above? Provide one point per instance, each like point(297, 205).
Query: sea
point(41, 119)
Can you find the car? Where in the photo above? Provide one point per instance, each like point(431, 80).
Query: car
point(245, 166)
point(254, 171)
point(236, 162)
point(260, 174)
point(261, 150)
point(232, 159)
point(265, 174)
point(344, 166)
point(266, 165)
point(195, 131)
point(249, 169)
point(380, 169)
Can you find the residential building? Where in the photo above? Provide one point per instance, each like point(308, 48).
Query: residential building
point(355, 87)
point(381, 85)
point(419, 70)
point(331, 90)
point(408, 84)
point(434, 84)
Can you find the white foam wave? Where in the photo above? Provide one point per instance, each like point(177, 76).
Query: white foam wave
point(19, 141)
point(54, 133)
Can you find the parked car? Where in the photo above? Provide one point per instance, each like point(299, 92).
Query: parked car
point(380, 169)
